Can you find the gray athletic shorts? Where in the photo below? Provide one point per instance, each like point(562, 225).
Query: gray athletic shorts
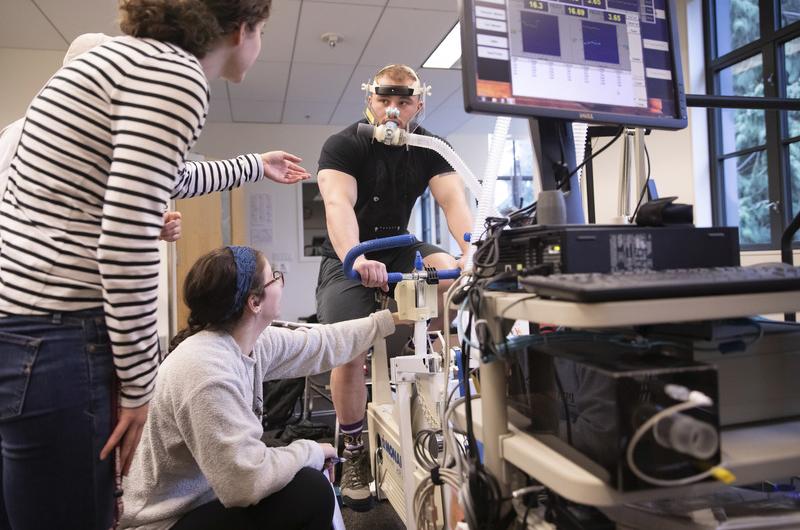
point(339, 298)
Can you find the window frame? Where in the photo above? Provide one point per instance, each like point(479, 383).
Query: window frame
point(769, 46)
point(516, 178)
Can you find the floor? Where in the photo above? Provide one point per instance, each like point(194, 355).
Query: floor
point(381, 517)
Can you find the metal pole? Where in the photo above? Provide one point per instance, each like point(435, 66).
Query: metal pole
point(641, 169)
point(624, 193)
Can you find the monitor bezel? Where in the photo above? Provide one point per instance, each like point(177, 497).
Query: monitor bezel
point(469, 58)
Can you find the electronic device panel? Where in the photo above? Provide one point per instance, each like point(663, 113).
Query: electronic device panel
point(585, 396)
point(609, 61)
point(569, 249)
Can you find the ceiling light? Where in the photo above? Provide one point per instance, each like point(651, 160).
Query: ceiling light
point(448, 52)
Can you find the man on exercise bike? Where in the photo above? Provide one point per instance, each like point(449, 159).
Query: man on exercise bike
point(369, 190)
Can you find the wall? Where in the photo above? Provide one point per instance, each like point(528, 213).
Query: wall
point(223, 140)
point(672, 153)
point(22, 74)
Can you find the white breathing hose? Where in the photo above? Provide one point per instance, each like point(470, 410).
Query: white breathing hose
point(486, 198)
point(579, 133)
point(484, 192)
point(435, 144)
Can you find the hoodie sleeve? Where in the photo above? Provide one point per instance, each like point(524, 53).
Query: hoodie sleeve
point(295, 353)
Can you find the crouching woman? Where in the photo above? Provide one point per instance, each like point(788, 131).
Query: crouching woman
point(201, 463)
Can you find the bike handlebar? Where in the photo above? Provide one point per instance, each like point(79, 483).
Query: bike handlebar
point(373, 245)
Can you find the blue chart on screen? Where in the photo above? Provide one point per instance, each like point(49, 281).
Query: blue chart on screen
point(600, 42)
point(624, 5)
point(540, 34)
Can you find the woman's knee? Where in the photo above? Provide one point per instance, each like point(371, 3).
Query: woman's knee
point(307, 501)
point(317, 490)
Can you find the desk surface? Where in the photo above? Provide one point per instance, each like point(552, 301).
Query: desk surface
point(753, 454)
point(525, 306)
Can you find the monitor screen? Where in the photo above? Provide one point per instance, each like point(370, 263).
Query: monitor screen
point(606, 61)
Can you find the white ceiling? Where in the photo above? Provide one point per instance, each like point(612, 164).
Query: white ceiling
point(298, 78)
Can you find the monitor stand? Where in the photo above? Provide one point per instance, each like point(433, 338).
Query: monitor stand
point(632, 162)
point(554, 145)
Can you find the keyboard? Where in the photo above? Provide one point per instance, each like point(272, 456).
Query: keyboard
point(671, 283)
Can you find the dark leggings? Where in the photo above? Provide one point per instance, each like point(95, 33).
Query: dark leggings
point(305, 503)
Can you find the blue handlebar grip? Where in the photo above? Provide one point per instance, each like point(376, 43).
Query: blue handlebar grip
point(371, 246)
point(418, 263)
point(395, 277)
point(449, 274)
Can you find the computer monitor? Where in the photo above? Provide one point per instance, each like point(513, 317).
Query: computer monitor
point(607, 61)
point(599, 61)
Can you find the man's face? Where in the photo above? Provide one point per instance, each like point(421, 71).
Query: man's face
point(408, 106)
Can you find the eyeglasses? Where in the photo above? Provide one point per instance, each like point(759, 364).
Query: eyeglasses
point(276, 276)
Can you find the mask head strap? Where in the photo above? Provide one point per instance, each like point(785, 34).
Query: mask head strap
point(417, 88)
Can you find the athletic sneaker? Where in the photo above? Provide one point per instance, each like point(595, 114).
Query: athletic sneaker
point(356, 476)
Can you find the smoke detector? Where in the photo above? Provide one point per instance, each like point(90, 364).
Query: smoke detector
point(331, 38)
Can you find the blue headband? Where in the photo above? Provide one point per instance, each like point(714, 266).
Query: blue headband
point(245, 260)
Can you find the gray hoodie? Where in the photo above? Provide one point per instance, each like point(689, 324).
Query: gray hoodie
point(202, 439)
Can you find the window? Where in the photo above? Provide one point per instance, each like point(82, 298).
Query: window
point(312, 220)
point(753, 49)
point(514, 187)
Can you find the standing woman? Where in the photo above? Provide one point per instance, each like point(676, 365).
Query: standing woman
point(102, 149)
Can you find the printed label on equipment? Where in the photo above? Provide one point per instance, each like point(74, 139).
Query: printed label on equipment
point(631, 252)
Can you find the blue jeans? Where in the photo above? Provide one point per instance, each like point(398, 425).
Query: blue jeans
point(56, 382)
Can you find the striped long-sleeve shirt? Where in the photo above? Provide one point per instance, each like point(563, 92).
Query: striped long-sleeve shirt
point(102, 151)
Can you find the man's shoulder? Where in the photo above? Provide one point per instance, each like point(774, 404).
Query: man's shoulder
point(343, 147)
point(351, 131)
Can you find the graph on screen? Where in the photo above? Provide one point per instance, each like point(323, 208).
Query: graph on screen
point(613, 57)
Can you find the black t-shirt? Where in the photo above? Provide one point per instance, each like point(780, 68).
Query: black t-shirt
point(389, 180)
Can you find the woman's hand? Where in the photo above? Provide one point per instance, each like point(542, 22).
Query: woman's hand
point(172, 227)
point(281, 167)
point(328, 450)
point(330, 458)
point(126, 434)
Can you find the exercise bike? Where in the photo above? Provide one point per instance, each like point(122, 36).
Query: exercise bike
point(391, 419)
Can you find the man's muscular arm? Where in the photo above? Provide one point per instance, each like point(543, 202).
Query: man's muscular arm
point(339, 192)
point(448, 191)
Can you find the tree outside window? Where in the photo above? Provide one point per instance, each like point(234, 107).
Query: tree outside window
point(754, 51)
